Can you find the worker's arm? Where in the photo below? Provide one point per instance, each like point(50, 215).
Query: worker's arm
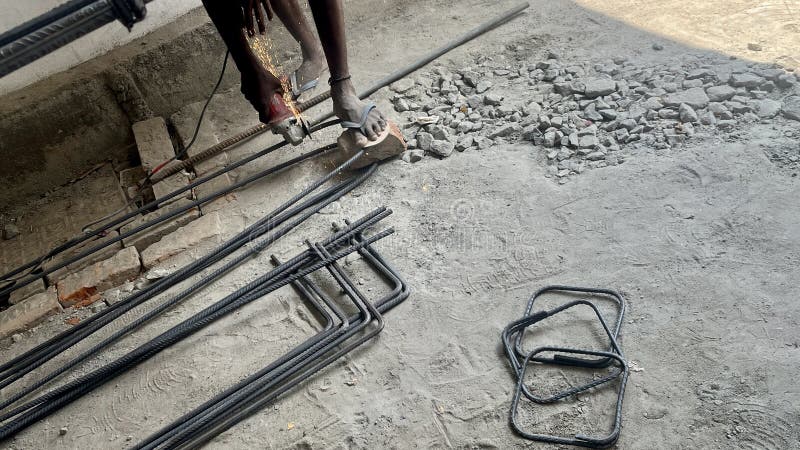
point(258, 85)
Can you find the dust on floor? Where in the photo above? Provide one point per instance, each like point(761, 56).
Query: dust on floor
point(702, 240)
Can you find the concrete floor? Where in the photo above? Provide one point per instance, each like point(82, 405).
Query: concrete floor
point(702, 240)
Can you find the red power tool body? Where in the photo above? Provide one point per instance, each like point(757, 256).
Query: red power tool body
point(284, 122)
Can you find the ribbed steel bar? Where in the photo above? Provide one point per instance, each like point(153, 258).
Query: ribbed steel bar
point(78, 333)
point(264, 396)
point(253, 290)
point(38, 37)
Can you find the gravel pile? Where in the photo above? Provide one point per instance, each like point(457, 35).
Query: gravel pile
point(586, 115)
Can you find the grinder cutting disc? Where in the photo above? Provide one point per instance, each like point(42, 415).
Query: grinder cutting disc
point(285, 123)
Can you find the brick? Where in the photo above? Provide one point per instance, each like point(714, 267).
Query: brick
point(153, 142)
point(82, 286)
point(155, 146)
point(209, 228)
point(98, 256)
point(24, 292)
point(185, 122)
point(145, 238)
point(389, 144)
point(47, 222)
point(28, 312)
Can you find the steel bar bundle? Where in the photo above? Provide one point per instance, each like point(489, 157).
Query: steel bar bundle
point(28, 273)
point(274, 225)
point(521, 362)
point(36, 38)
point(235, 404)
point(19, 280)
point(322, 255)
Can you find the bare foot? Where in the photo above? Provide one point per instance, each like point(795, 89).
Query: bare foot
point(310, 69)
point(347, 106)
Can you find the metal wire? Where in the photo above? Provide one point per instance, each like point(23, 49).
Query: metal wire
point(519, 354)
point(276, 278)
point(511, 337)
point(262, 396)
point(45, 351)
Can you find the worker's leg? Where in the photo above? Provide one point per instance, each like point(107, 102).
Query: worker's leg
point(295, 21)
point(258, 84)
point(329, 17)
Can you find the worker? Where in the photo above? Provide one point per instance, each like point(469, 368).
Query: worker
point(239, 20)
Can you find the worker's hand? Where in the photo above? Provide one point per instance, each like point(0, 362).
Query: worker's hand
point(254, 9)
point(258, 88)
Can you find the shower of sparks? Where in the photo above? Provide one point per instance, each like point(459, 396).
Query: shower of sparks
point(262, 48)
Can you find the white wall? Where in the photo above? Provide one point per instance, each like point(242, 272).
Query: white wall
point(15, 12)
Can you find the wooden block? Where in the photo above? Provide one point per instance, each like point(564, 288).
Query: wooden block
point(390, 143)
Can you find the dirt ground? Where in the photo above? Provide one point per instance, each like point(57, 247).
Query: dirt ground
point(702, 240)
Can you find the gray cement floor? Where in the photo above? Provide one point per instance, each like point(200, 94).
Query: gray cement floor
point(702, 240)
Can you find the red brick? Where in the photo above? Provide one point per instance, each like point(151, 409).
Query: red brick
point(80, 287)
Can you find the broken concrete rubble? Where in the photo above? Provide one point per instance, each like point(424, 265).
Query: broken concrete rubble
point(621, 104)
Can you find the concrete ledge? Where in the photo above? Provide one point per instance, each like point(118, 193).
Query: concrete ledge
point(96, 257)
point(24, 292)
point(28, 312)
point(148, 237)
point(80, 287)
point(209, 228)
